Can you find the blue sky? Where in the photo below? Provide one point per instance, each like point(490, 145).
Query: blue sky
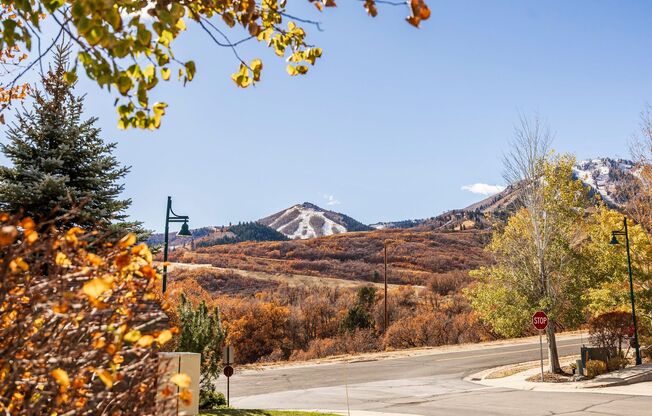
point(393, 121)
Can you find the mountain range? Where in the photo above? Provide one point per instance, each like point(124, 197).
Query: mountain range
point(307, 220)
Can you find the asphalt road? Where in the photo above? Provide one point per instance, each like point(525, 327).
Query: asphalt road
point(429, 384)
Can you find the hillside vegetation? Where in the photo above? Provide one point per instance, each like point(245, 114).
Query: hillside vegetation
point(272, 319)
point(415, 256)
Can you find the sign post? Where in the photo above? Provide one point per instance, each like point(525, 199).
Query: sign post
point(540, 322)
point(228, 357)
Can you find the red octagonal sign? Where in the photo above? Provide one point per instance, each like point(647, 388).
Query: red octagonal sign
point(540, 320)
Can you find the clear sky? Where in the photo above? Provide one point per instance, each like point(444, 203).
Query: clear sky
point(393, 122)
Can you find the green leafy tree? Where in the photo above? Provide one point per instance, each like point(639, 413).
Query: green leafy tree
point(536, 266)
point(127, 45)
point(60, 164)
point(202, 332)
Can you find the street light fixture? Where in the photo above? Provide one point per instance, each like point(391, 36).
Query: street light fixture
point(614, 241)
point(170, 216)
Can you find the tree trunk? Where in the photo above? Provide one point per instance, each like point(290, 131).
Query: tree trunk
point(553, 356)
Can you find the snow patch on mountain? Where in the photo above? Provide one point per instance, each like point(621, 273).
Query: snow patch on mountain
point(603, 175)
point(309, 221)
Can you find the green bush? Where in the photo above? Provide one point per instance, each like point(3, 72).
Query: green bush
point(595, 368)
point(210, 400)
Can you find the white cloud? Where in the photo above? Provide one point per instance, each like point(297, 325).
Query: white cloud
point(483, 188)
point(330, 200)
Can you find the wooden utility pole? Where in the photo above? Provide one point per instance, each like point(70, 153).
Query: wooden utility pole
point(386, 319)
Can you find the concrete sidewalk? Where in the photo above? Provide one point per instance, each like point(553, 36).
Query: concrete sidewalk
point(635, 381)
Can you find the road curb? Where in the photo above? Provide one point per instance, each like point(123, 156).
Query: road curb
point(518, 381)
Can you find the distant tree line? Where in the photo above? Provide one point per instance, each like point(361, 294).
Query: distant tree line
point(246, 231)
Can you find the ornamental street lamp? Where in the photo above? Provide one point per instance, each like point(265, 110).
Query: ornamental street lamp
point(170, 216)
point(614, 241)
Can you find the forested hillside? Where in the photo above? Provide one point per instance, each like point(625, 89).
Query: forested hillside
point(415, 256)
point(248, 231)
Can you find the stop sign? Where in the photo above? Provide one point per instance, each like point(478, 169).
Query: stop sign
point(540, 320)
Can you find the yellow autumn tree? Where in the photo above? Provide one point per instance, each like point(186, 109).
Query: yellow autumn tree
point(607, 266)
point(536, 267)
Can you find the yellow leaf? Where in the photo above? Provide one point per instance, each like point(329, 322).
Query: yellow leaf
point(62, 260)
point(71, 234)
point(94, 259)
point(95, 288)
point(145, 341)
point(165, 73)
point(61, 377)
point(127, 241)
point(181, 379)
point(181, 25)
point(31, 236)
point(292, 70)
point(164, 337)
point(27, 223)
point(186, 397)
point(132, 336)
point(105, 376)
point(18, 264)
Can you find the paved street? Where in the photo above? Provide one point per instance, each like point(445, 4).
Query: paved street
point(429, 384)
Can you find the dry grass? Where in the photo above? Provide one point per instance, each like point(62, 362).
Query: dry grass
point(510, 371)
point(291, 279)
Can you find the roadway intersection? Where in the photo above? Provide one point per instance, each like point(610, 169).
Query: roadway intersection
point(430, 383)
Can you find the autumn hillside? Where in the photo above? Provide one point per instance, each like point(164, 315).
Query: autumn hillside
point(415, 256)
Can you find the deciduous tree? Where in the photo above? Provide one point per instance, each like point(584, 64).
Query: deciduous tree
point(535, 263)
point(606, 266)
point(127, 45)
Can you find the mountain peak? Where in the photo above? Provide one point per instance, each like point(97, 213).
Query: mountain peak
point(310, 205)
point(308, 220)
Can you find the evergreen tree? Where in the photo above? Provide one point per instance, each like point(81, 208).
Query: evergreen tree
point(61, 165)
point(359, 315)
point(202, 332)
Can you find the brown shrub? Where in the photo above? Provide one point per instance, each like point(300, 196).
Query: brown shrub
point(426, 329)
point(450, 282)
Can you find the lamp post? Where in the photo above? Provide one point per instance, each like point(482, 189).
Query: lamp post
point(614, 241)
point(170, 216)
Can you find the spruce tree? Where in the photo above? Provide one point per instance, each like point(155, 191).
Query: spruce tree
point(61, 166)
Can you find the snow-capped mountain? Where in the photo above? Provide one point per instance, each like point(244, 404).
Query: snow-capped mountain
point(603, 175)
point(308, 221)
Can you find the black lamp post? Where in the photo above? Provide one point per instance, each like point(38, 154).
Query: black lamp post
point(614, 241)
point(170, 216)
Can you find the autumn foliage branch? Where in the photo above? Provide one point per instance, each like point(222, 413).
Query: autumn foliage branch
point(80, 324)
point(127, 45)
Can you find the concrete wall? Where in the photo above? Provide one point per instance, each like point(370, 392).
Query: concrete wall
point(171, 363)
